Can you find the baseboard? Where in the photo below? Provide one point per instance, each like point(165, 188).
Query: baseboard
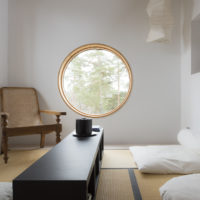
point(125, 147)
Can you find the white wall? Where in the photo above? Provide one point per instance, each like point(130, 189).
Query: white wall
point(43, 32)
point(195, 78)
point(3, 41)
point(196, 8)
point(186, 14)
point(3, 45)
point(195, 46)
point(194, 101)
point(190, 88)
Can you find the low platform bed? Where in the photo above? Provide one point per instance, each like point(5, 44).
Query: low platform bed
point(162, 169)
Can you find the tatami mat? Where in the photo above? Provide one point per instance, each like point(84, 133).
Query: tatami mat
point(149, 184)
point(118, 159)
point(114, 184)
point(18, 161)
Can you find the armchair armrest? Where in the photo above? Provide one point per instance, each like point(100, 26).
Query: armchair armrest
point(4, 118)
point(4, 114)
point(52, 112)
point(57, 114)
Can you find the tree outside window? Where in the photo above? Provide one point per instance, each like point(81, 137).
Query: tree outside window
point(96, 81)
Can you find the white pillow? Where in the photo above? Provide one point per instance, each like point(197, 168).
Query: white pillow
point(189, 138)
point(181, 188)
point(6, 192)
point(166, 159)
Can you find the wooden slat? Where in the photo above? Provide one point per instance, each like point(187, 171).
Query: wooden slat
point(52, 112)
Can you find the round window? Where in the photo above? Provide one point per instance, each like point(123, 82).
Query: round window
point(95, 80)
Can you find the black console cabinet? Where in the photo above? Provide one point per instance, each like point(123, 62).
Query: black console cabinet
point(69, 171)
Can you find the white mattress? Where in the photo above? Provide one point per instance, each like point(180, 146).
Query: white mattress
point(181, 188)
point(166, 159)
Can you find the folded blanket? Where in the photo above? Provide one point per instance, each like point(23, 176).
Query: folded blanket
point(181, 188)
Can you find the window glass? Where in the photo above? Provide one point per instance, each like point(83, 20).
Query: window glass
point(95, 80)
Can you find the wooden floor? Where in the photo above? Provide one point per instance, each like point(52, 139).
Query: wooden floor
point(18, 161)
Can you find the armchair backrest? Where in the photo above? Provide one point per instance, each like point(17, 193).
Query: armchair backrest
point(22, 106)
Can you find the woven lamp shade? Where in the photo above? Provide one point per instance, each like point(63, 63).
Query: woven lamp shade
point(161, 20)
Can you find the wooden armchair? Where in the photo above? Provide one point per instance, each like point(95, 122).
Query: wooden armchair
point(20, 115)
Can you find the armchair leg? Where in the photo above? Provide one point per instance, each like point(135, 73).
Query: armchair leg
point(58, 137)
point(5, 148)
point(2, 145)
point(42, 140)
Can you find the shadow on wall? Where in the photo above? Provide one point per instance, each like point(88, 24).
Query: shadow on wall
point(195, 45)
point(44, 106)
point(187, 17)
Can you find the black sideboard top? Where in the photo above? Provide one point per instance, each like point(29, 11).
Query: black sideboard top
point(71, 159)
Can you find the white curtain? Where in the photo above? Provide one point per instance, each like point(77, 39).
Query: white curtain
point(161, 20)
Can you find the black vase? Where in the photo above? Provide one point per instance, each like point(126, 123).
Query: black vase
point(84, 127)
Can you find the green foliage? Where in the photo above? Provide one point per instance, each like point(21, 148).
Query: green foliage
point(96, 81)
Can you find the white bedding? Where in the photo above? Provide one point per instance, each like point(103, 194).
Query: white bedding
point(181, 188)
point(189, 138)
point(6, 191)
point(165, 159)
